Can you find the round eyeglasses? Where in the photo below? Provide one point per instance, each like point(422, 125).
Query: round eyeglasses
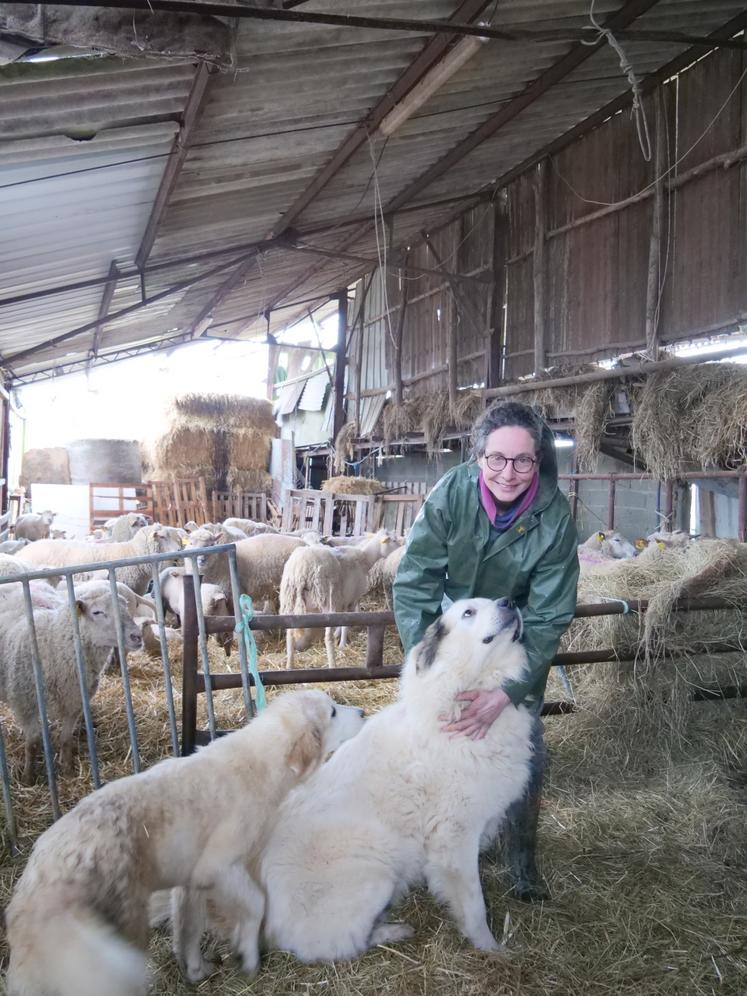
point(523, 463)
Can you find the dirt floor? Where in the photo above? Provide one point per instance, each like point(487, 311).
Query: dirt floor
point(644, 858)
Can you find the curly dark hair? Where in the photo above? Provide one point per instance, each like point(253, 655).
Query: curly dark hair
point(502, 414)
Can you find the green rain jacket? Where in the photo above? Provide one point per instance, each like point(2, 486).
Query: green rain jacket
point(454, 550)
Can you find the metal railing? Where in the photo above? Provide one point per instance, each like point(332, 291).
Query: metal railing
point(194, 682)
point(196, 614)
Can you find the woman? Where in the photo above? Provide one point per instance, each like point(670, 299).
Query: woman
point(495, 527)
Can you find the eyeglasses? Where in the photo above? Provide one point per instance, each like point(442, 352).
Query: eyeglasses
point(522, 464)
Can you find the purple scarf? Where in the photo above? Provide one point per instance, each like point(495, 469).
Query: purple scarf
point(503, 520)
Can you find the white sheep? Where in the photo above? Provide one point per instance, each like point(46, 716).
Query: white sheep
point(33, 526)
point(249, 526)
point(327, 579)
point(602, 548)
point(260, 561)
point(123, 527)
point(54, 634)
point(64, 553)
point(214, 602)
point(382, 574)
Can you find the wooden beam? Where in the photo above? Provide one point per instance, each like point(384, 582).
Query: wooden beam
point(634, 370)
point(531, 93)
point(653, 289)
point(498, 295)
point(397, 353)
point(540, 268)
point(104, 305)
point(434, 50)
point(342, 330)
point(179, 149)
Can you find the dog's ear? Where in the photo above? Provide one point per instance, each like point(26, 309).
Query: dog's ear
point(426, 650)
point(306, 751)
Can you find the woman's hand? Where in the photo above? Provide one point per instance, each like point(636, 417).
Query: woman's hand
point(477, 718)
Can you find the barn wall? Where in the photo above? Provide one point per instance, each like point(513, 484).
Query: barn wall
point(596, 271)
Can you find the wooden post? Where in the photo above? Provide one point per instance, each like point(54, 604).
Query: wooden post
point(653, 290)
point(611, 503)
point(397, 344)
point(494, 351)
point(342, 328)
point(540, 269)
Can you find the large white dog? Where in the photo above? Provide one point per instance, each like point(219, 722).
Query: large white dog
point(82, 901)
point(403, 801)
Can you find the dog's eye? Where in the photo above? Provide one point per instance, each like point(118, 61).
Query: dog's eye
point(334, 712)
point(467, 613)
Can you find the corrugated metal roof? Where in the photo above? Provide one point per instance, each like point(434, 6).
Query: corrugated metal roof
point(289, 397)
point(312, 399)
point(85, 143)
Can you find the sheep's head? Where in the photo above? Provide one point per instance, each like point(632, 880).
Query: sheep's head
point(616, 546)
point(98, 622)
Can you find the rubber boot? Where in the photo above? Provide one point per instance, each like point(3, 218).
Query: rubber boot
point(519, 832)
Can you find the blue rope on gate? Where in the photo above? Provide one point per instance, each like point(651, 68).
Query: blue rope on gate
point(244, 630)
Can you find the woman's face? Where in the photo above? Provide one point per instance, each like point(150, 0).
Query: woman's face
point(508, 484)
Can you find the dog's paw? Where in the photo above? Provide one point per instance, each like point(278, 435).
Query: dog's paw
point(384, 933)
point(198, 971)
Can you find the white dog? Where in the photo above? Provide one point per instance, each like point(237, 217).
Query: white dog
point(82, 901)
point(403, 801)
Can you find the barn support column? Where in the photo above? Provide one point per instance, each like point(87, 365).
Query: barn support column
point(653, 288)
point(493, 372)
point(540, 269)
point(397, 344)
point(342, 331)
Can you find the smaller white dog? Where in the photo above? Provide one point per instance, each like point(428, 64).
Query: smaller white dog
point(80, 910)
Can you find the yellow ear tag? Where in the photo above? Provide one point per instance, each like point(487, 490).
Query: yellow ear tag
point(184, 541)
point(600, 536)
point(661, 545)
point(640, 544)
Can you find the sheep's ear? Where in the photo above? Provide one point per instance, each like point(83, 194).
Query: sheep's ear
point(601, 536)
point(640, 543)
point(80, 606)
point(426, 650)
point(305, 752)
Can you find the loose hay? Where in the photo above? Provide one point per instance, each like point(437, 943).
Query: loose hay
point(344, 445)
point(399, 420)
point(692, 418)
point(646, 869)
point(353, 486)
point(592, 412)
point(649, 699)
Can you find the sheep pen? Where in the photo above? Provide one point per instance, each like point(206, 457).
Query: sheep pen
point(645, 864)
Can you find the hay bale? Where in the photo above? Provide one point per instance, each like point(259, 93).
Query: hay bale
point(353, 486)
point(693, 416)
point(227, 411)
point(649, 699)
point(224, 438)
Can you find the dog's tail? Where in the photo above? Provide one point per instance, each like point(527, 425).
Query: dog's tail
point(75, 954)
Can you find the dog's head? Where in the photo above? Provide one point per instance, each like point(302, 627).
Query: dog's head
point(319, 725)
point(474, 644)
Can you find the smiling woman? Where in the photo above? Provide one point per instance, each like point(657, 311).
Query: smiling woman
point(498, 527)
